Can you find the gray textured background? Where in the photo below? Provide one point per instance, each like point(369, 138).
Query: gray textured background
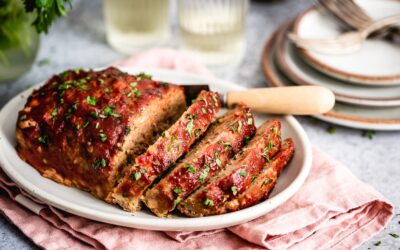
point(79, 41)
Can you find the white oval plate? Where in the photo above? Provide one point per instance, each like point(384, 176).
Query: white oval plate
point(376, 63)
point(83, 204)
point(301, 73)
point(384, 119)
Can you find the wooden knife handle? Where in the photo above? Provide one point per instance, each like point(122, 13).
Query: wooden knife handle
point(297, 100)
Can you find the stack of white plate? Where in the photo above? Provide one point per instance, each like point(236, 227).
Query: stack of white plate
point(366, 83)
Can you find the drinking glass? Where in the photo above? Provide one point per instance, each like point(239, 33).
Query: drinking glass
point(135, 24)
point(213, 30)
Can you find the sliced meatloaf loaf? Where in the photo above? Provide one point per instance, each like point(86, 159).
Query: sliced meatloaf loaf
point(222, 140)
point(166, 150)
point(80, 126)
point(237, 175)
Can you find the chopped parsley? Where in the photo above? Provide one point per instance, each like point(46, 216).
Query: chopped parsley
point(234, 190)
point(177, 201)
point(137, 175)
point(97, 125)
point(136, 92)
point(94, 114)
point(197, 131)
point(190, 168)
point(164, 84)
point(331, 130)
point(133, 84)
point(109, 111)
point(394, 235)
point(127, 130)
point(239, 126)
point(86, 124)
point(190, 125)
point(177, 190)
point(42, 139)
point(369, 134)
point(267, 181)
point(22, 117)
point(107, 90)
point(100, 163)
point(204, 174)
point(215, 100)
point(203, 110)
point(209, 202)
point(243, 173)
point(54, 113)
point(226, 145)
point(103, 137)
point(217, 160)
point(144, 75)
point(249, 121)
point(232, 128)
point(253, 178)
point(91, 100)
point(246, 139)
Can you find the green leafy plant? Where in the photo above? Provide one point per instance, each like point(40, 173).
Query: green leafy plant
point(17, 17)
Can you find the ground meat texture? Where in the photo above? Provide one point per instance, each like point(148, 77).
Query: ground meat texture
point(237, 175)
point(222, 140)
point(78, 128)
point(166, 151)
point(263, 184)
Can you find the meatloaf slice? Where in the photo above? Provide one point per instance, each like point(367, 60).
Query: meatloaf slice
point(237, 175)
point(222, 140)
point(260, 188)
point(78, 128)
point(166, 151)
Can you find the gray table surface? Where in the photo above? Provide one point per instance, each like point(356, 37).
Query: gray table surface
point(79, 41)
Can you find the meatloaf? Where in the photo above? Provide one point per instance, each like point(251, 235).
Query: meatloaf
point(222, 140)
point(166, 151)
point(81, 126)
point(263, 184)
point(237, 175)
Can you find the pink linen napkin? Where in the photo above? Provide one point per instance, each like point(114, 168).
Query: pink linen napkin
point(342, 214)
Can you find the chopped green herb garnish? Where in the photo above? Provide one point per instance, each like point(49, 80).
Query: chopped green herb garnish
point(394, 235)
point(42, 139)
point(22, 117)
point(77, 71)
point(86, 124)
point(246, 139)
point(100, 163)
point(190, 168)
point(242, 173)
point(133, 84)
point(94, 114)
point(217, 160)
point(64, 73)
point(239, 126)
point(204, 174)
point(137, 175)
point(75, 106)
point(97, 125)
point(127, 129)
point(144, 75)
point(209, 202)
point(107, 90)
point(164, 84)
point(234, 190)
point(378, 243)
point(232, 128)
point(109, 111)
point(203, 110)
point(101, 81)
point(177, 190)
point(331, 130)
point(253, 178)
point(250, 121)
point(136, 92)
point(226, 145)
point(103, 137)
point(177, 201)
point(197, 131)
point(78, 126)
point(369, 134)
point(62, 100)
point(54, 113)
point(267, 181)
point(190, 125)
point(91, 100)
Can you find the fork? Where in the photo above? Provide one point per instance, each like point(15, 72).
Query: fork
point(353, 16)
point(345, 43)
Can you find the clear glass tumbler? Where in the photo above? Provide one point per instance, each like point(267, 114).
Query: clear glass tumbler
point(135, 24)
point(213, 30)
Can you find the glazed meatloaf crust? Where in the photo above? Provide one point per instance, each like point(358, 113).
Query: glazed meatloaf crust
point(222, 140)
point(237, 175)
point(166, 150)
point(79, 128)
point(263, 184)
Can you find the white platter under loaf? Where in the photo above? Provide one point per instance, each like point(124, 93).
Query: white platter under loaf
point(376, 63)
point(353, 116)
point(83, 204)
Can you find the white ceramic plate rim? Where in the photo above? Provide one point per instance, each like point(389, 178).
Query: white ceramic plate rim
point(275, 78)
point(350, 77)
point(284, 57)
point(155, 223)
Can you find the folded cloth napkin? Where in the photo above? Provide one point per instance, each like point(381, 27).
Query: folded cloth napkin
point(333, 209)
